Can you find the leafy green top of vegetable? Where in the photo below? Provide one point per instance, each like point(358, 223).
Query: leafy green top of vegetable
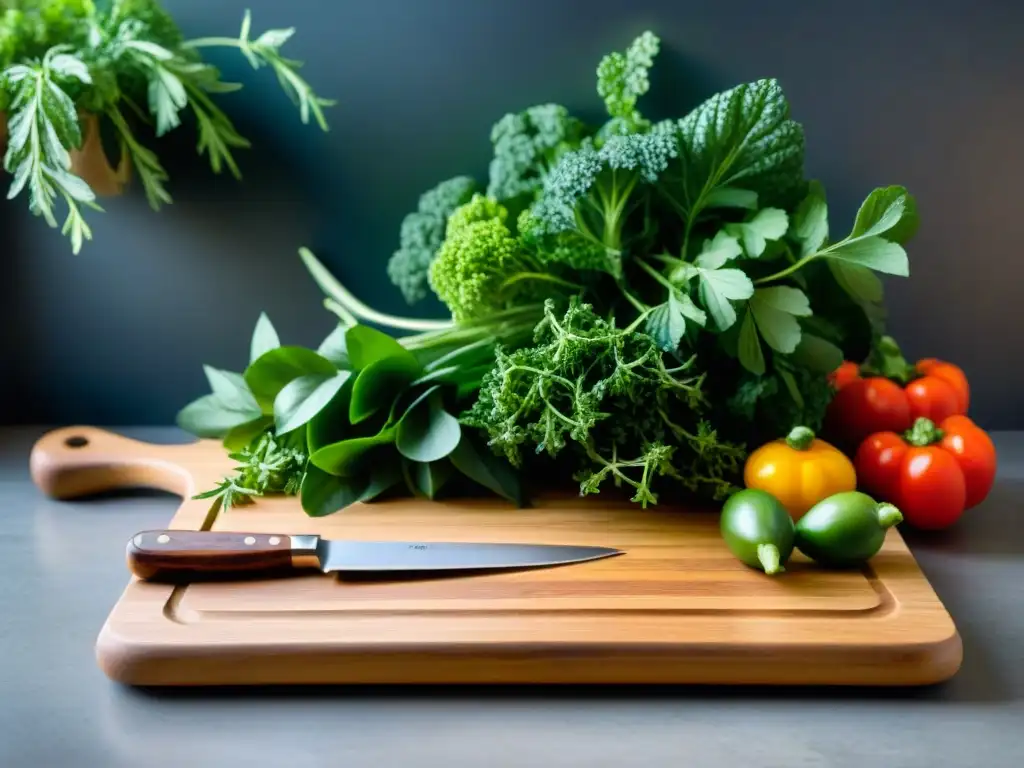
point(527, 145)
point(635, 303)
point(60, 58)
point(622, 78)
point(422, 233)
point(592, 193)
point(481, 267)
point(607, 392)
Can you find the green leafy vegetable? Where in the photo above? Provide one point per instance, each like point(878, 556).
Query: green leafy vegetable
point(422, 233)
point(622, 78)
point(65, 60)
point(609, 395)
point(634, 306)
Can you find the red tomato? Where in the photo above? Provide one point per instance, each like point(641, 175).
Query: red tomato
point(848, 371)
point(878, 463)
point(931, 473)
point(952, 375)
point(975, 453)
point(932, 398)
point(865, 406)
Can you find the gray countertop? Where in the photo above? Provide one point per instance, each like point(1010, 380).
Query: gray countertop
point(64, 569)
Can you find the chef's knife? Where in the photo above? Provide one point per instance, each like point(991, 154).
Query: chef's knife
point(173, 555)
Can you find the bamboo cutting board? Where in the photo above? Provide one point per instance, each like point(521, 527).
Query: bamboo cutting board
point(676, 608)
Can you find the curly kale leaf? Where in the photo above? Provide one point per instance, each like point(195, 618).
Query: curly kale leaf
point(593, 193)
point(605, 395)
point(621, 80)
point(527, 145)
point(422, 232)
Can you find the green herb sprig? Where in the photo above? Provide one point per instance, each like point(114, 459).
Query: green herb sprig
point(63, 59)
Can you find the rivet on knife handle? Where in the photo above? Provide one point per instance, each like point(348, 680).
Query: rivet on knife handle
point(183, 555)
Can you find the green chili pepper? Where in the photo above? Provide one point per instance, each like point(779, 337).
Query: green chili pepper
point(845, 529)
point(758, 530)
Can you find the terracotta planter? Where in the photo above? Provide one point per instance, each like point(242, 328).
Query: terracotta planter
point(90, 162)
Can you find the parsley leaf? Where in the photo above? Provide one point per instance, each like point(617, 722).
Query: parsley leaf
point(775, 311)
point(767, 224)
point(719, 288)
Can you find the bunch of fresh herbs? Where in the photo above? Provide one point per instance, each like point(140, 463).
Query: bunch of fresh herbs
point(635, 304)
point(126, 62)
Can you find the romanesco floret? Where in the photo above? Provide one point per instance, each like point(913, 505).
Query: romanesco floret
point(422, 232)
point(527, 144)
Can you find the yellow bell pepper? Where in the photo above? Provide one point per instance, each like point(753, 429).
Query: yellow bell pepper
point(799, 470)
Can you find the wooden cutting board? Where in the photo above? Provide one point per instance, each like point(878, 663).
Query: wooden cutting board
point(676, 608)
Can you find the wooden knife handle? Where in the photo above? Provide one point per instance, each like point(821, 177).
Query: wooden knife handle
point(193, 555)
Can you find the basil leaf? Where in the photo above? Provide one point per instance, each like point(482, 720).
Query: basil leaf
point(810, 223)
point(366, 345)
point(330, 425)
point(324, 494)
point(875, 253)
point(776, 310)
point(303, 398)
point(230, 388)
point(490, 471)
point(272, 370)
point(887, 210)
point(731, 197)
point(427, 432)
point(859, 282)
point(333, 347)
point(344, 457)
point(742, 137)
point(208, 417)
point(264, 338)
point(768, 224)
point(378, 384)
point(431, 477)
point(720, 287)
point(749, 347)
point(817, 355)
point(716, 252)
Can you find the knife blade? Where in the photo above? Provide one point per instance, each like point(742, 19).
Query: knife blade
point(174, 554)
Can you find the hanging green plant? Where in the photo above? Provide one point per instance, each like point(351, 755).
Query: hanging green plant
point(71, 67)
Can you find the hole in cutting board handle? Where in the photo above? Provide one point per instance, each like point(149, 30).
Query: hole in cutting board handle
point(76, 441)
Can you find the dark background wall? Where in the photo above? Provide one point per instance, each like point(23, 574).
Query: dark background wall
point(925, 94)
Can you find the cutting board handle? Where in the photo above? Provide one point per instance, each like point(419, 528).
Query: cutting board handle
point(80, 460)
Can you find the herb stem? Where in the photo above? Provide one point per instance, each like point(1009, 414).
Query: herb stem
point(788, 270)
point(206, 42)
point(336, 291)
point(540, 276)
point(655, 274)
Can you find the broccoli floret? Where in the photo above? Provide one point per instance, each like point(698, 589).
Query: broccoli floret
point(526, 146)
point(622, 80)
point(479, 208)
point(481, 268)
point(422, 232)
point(564, 248)
point(591, 193)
